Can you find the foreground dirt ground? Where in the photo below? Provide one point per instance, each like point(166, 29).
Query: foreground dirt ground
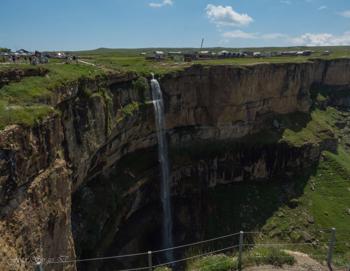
point(304, 263)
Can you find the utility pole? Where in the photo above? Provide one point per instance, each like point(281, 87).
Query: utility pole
point(202, 43)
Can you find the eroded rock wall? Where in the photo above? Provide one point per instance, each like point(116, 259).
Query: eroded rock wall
point(40, 167)
point(231, 102)
point(131, 222)
point(35, 197)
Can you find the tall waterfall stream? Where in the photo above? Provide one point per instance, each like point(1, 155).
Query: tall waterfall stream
point(164, 163)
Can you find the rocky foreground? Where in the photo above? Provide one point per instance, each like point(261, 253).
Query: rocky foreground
point(303, 263)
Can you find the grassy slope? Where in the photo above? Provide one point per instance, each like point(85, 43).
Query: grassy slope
point(323, 204)
point(326, 195)
point(295, 213)
point(26, 101)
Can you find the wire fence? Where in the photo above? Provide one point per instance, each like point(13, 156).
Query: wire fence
point(238, 248)
point(198, 243)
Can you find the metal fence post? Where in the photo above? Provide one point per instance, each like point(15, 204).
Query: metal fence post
point(39, 266)
point(331, 249)
point(150, 261)
point(241, 233)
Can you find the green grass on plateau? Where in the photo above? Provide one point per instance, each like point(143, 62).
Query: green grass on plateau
point(28, 100)
point(130, 59)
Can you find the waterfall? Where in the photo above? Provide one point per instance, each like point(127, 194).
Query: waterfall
point(164, 163)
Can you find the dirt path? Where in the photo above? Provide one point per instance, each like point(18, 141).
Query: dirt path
point(86, 63)
point(303, 263)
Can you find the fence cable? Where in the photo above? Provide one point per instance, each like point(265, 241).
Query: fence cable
point(195, 257)
point(144, 253)
point(188, 245)
point(100, 258)
point(197, 243)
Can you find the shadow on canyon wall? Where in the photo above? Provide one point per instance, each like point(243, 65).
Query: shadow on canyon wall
point(218, 188)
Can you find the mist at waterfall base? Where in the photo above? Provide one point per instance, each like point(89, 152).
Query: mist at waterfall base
point(167, 225)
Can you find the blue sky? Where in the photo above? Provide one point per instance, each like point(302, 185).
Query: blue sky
point(88, 24)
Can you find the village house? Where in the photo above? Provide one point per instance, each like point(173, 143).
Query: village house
point(257, 54)
point(159, 55)
point(176, 56)
point(204, 55)
point(22, 52)
point(188, 57)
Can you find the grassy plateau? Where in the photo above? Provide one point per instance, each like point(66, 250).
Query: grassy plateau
point(28, 100)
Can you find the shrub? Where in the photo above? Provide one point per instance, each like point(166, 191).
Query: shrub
point(163, 268)
point(213, 263)
point(141, 86)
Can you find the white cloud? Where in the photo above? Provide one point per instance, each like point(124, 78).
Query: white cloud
point(161, 4)
point(221, 15)
point(322, 39)
point(273, 36)
point(307, 39)
point(345, 13)
point(239, 34)
point(322, 7)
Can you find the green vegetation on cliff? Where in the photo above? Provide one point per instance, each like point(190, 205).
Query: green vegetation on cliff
point(254, 257)
point(31, 98)
point(267, 256)
point(319, 128)
point(219, 262)
point(303, 212)
point(323, 203)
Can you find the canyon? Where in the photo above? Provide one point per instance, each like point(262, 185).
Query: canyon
point(85, 181)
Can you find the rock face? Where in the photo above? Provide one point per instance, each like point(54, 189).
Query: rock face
point(230, 102)
point(15, 75)
point(35, 189)
point(95, 162)
point(40, 169)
